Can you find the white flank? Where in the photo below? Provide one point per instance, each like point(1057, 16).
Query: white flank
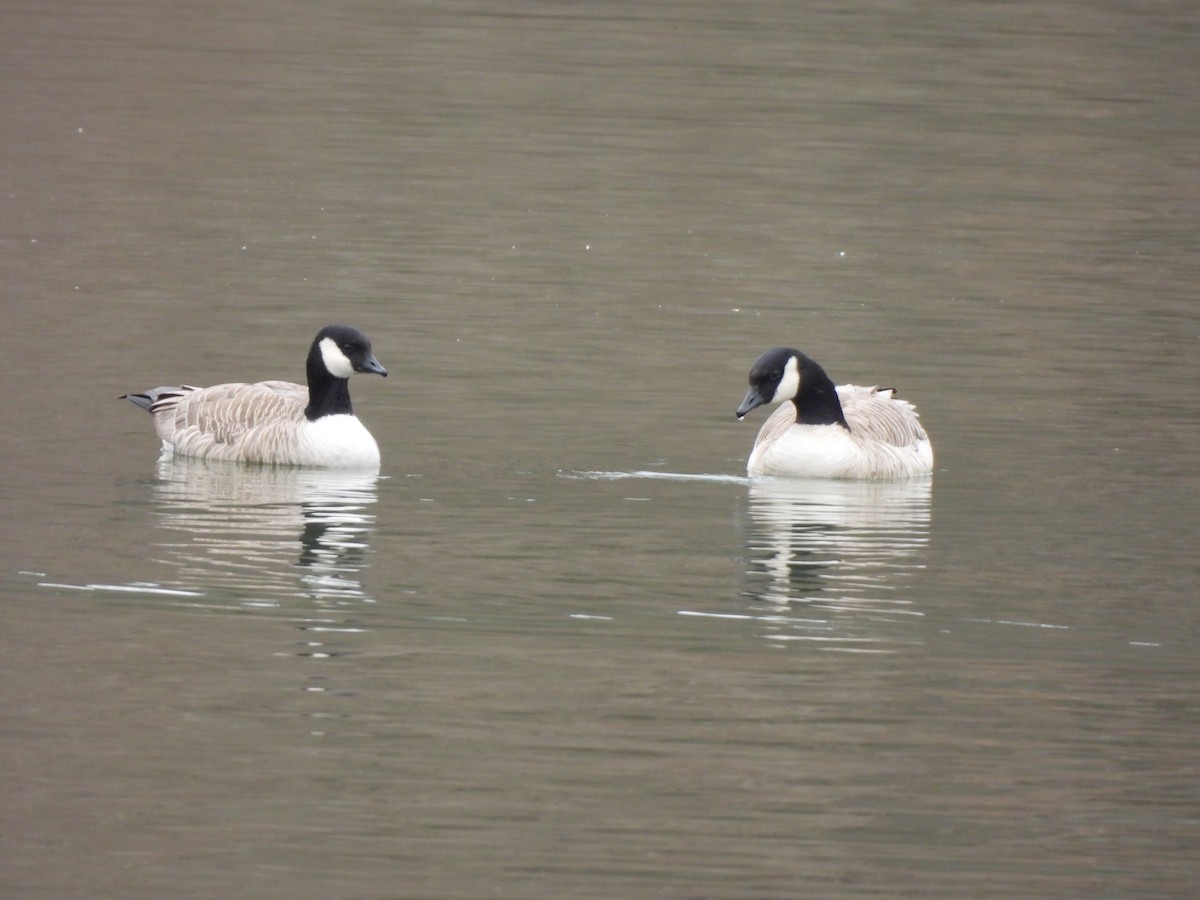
point(335, 360)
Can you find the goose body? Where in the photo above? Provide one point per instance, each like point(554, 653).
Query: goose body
point(825, 431)
point(275, 422)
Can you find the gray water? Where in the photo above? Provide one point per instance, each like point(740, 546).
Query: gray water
point(560, 647)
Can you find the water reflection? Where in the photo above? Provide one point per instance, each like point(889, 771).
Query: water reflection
point(266, 535)
point(826, 558)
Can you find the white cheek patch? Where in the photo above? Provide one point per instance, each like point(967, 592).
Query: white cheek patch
point(789, 384)
point(335, 360)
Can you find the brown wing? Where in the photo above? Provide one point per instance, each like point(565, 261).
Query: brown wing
point(876, 414)
point(214, 421)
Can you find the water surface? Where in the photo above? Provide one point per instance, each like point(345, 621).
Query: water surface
point(560, 646)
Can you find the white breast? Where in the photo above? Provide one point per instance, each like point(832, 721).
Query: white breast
point(337, 442)
point(808, 451)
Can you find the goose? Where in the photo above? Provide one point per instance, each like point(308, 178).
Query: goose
point(823, 431)
point(275, 422)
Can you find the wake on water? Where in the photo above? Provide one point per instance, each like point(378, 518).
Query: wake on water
point(659, 476)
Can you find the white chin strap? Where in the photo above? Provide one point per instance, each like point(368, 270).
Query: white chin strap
point(335, 360)
point(789, 384)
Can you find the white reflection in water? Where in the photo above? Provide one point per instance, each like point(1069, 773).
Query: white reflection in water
point(826, 557)
point(268, 535)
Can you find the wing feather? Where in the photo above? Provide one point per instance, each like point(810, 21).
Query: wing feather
point(877, 415)
point(231, 421)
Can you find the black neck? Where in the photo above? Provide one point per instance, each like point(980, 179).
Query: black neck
point(817, 403)
point(328, 395)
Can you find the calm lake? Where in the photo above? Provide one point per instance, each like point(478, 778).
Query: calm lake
point(561, 647)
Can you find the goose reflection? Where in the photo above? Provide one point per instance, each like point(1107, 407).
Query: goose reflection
point(826, 557)
point(266, 536)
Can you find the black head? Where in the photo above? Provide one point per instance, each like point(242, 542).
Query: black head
point(774, 378)
point(784, 374)
point(342, 351)
point(337, 352)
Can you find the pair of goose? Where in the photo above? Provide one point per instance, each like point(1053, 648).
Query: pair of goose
point(819, 430)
